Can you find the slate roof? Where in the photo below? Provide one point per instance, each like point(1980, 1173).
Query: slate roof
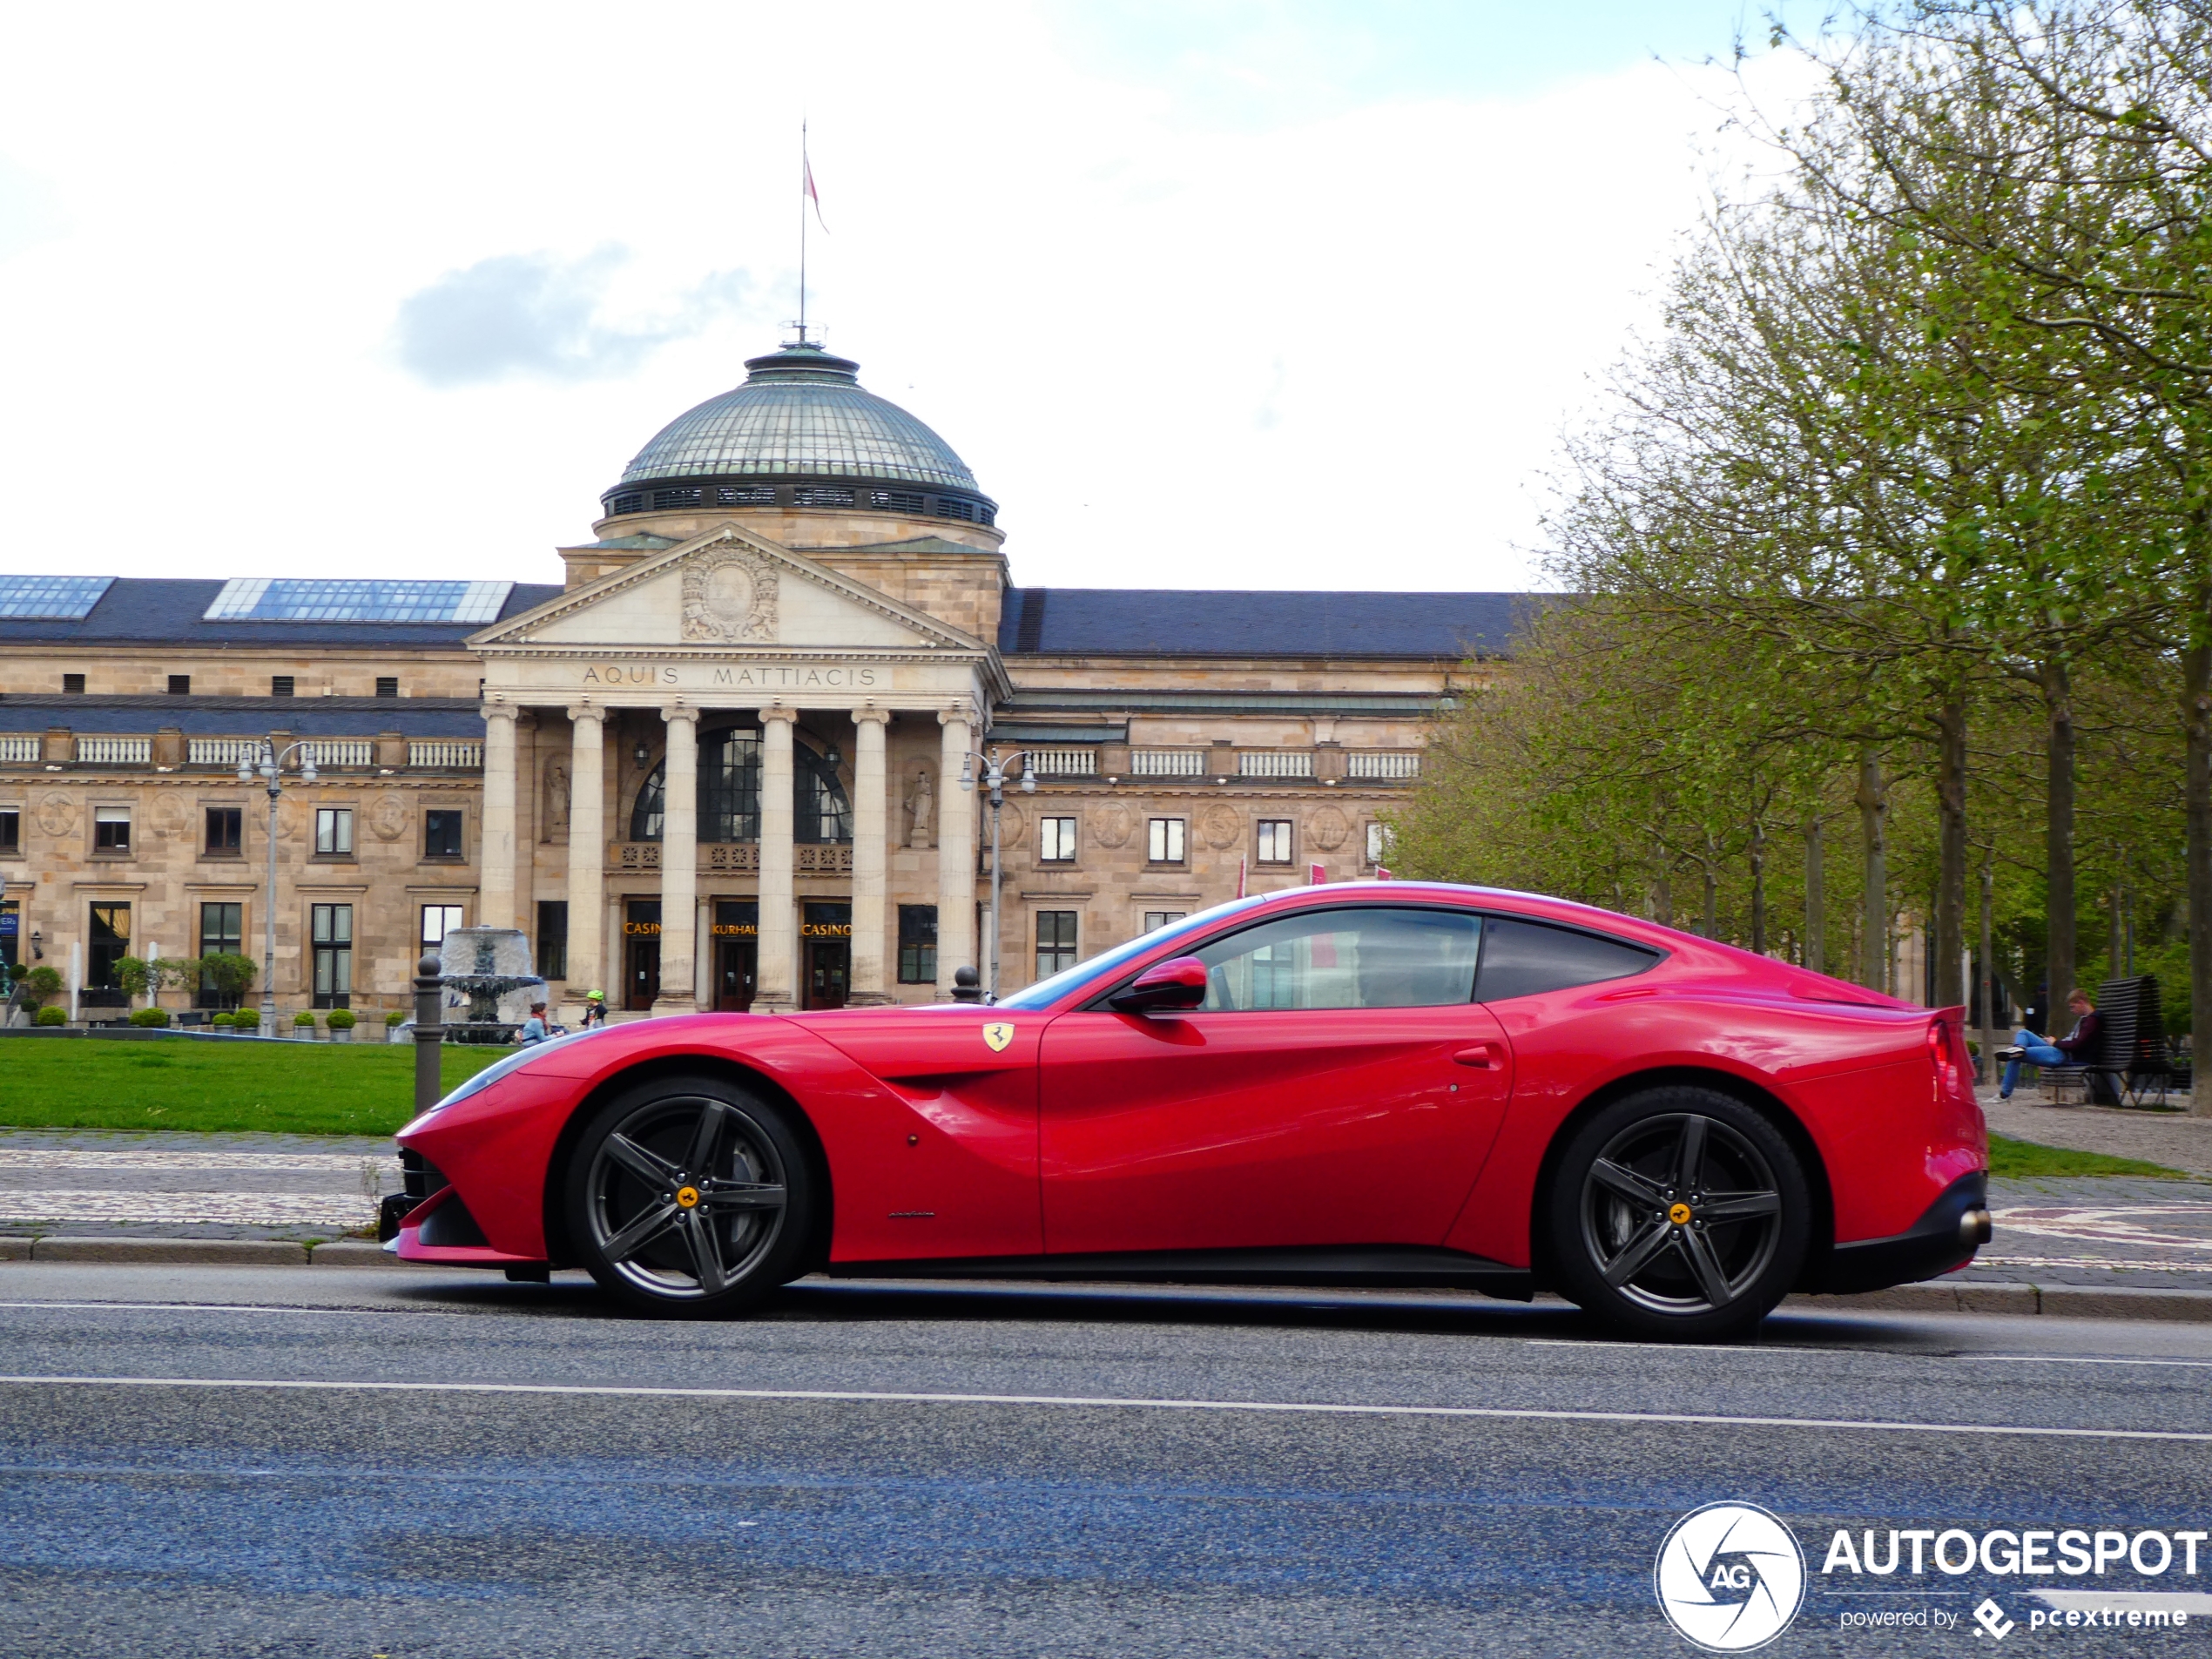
point(1175, 621)
point(169, 610)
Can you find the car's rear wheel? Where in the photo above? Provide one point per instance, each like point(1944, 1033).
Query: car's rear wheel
point(1679, 1213)
point(690, 1195)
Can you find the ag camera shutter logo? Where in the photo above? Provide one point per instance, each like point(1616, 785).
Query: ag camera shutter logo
point(1729, 1577)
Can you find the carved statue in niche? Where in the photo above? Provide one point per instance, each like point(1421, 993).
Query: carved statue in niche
point(554, 821)
point(729, 597)
point(921, 801)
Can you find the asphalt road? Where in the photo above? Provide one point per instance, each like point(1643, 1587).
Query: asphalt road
point(871, 1470)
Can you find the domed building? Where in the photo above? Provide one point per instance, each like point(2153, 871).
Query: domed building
point(727, 763)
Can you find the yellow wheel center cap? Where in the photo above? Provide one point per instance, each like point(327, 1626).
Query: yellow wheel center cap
point(689, 1197)
point(1679, 1215)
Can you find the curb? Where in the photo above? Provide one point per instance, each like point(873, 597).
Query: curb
point(198, 1253)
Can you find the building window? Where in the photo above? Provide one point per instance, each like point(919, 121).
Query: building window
point(553, 939)
point(917, 944)
point(110, 943)
point(387, 685)
point(222, 928)
point(10, 933)
point(112, 829)
point(1056, 940)
point(437, 920)
point(226, 832)
point(1165, 842)
point(279, 686)
point(1056, 840)
point(11, 830)
point(72, 683)
point(333, 939)
point(1274, 840)
point(1378, 840)
point(1156, 919)
point(441, 834)
point(334, 833)
point(180, 685)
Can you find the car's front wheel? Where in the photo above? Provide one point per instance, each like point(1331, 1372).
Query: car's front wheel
point(690, 1195)
point(1679, 1213)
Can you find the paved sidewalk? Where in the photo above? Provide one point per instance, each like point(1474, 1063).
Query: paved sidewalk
point(115, 1184)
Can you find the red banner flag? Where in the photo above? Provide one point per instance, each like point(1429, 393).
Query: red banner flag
point(1316, 875)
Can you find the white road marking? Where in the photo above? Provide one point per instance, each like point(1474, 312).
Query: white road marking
point(1107, 1402)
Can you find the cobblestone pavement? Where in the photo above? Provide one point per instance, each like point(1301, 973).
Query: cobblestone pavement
point(167, 1185)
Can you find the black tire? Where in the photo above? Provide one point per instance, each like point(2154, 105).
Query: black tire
point(1679, 1213)
point(669, 1238)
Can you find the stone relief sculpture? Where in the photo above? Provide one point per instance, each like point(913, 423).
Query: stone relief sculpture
point(388, 816)
point(58, 815)
point(921, 801)
point(1111, 828)
point(553, 822)
point(1327, 828)
point(171, 816)
point(1220, 826)
point(729, 597)
point(1012, 827)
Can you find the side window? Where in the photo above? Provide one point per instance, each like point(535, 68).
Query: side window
point(1380, 958)
point(1521, 958)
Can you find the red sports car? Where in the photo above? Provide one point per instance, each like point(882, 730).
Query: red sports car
point(1372, 1084)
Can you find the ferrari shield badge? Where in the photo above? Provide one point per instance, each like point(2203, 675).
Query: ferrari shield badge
point(998, 1033)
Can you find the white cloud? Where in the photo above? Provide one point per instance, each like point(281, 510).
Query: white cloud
point(319, 290)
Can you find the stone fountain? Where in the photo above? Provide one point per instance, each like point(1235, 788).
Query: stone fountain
point(488, 982)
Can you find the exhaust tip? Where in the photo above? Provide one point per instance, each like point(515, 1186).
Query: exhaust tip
point(1974, 1228)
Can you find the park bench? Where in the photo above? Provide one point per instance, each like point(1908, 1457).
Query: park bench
point(2130, 1062)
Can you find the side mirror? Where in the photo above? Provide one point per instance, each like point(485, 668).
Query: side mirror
point(1165, 987)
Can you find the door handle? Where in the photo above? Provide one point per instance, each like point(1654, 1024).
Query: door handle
point(1483, 1056)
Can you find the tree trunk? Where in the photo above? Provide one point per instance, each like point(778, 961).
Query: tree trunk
point(2057, 834)
point(1712, 887)
point(2197, 718)
point(1874, 799)
point(1816, 899)
point(1758, 889)
point(2116, 933)
point(1662, 888)
point(1949, 942)
point(1987, 977)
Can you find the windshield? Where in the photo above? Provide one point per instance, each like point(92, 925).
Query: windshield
point(1046, 992)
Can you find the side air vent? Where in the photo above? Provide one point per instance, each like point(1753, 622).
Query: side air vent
point(744, 495)
point(633, 502)
point(664, 499)
point(821, 495)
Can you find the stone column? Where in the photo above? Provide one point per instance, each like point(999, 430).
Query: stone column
point(955, 854)
point(680, 863)
point(587, 856)
point(495, 902)
point(871, 793)
point(778, 942)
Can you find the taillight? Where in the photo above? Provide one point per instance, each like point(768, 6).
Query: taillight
point(1943, 1054)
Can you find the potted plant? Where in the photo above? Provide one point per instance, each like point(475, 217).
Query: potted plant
point(392, 1020)
point(52, 1017)
point(303, 1026)
point(151, 1017)
point(227, 974)
point(340, 1022)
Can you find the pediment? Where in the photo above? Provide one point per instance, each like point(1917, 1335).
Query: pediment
point(727, 589)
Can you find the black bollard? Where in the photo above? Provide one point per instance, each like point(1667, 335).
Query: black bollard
point(966, 986)
point(429, 1031)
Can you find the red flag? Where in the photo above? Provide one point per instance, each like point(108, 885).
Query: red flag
point(1383, 874)
point(812, 195)
point(1316, 875)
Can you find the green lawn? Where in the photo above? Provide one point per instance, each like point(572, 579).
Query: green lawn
point(217, 1085)
point(2025, 1159)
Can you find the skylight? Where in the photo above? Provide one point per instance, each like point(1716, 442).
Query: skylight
point(309, 599)
point(52, 598)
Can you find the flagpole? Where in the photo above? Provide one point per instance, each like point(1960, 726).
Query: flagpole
point(802, 231)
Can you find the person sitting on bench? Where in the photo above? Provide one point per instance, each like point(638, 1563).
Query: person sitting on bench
point(2071, 1049)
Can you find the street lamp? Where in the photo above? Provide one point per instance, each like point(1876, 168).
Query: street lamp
point(270, 765)
point(994, 780)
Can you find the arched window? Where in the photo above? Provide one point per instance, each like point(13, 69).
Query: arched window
point(730, 793)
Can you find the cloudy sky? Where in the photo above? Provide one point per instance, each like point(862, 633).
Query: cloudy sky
point(1251, 293)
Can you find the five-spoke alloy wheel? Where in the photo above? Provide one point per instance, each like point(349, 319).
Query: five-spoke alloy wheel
point(689, 1194)
point(1678, 1212)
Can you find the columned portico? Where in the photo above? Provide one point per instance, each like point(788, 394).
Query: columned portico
point(779, 936)
point(679, 869)
point(955, 854)
point(496, 901)
point(870, 853)
point(587, 853)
